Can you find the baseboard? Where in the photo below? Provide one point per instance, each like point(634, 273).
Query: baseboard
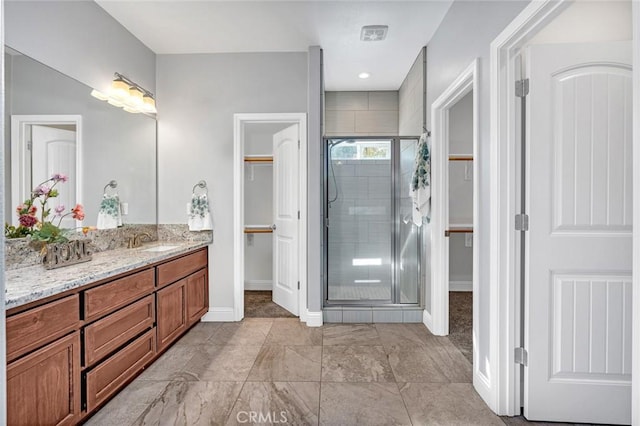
point(314, 319)
point(258, 285)
point(427, 320)
point(460, 285)
point(219, 314)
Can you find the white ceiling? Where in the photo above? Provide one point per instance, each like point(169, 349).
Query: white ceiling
point(179, 26)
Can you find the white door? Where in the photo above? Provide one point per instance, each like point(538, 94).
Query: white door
point(578, 283)
point(54, 151)
point(285, 213)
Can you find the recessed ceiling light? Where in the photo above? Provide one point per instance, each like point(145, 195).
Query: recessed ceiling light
point(374, 32)
point(364, 75)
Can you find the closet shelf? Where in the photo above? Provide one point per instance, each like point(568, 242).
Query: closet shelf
point(460, 157)
point(258, 159)
point(458, 230)
point(258, 229)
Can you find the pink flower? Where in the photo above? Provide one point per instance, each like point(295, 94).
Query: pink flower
point(33, 210)
point(78, 212)
point(59, 177)
point(59, 209)
point(41, 190)
point(21, 209)
point(27, 220)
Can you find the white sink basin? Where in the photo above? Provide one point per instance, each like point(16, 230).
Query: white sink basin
point(160, 248)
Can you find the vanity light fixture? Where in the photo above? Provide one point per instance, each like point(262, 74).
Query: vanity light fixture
point(126, 94)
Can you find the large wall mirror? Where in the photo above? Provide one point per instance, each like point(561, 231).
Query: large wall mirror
point(53, 125)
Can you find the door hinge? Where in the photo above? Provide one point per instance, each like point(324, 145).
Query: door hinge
point(29, 145)
point(522, 222)
point(522, 88)
point(298, 214)
point(521, 356)
point(298, 285)
point(298, 143)
point(326, 222)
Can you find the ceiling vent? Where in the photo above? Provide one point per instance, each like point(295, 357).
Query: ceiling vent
point(374, 32)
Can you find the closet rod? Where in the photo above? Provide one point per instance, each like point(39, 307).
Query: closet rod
point(461, 158)
point(258, 159)
point(257, 231)
point(448, 232)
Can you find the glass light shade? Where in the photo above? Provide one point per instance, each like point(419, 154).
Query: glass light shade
point(119, 89)
point(135, 97)
point(130, 109)
point(99, 95)
point(115, 102)
point(149, 105)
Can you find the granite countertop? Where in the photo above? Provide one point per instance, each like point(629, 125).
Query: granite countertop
point(33, 283)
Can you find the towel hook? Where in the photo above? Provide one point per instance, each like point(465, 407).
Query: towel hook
point(202, 184)
point(111, 184)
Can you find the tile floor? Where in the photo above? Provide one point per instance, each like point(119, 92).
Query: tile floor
point(287, 373)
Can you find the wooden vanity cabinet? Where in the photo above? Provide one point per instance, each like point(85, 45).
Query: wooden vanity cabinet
point(69, 355)
point(197, 296)
point(172, 314)
point(43, 388)
point(183, 303)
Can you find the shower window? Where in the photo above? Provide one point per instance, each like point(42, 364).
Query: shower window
point(372, 251)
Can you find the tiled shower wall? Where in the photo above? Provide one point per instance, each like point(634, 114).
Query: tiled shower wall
point(361, 113)
point(360, 224)
point(411, 99)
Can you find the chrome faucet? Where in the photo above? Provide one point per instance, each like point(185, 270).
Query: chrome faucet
point(135, 240)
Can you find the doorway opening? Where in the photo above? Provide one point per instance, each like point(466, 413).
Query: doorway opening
point(259, 221)
point(270, 227)
point(372, 245)
point(42, 145)
point(455, 190)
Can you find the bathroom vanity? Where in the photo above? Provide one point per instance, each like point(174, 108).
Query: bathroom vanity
point(72, 344)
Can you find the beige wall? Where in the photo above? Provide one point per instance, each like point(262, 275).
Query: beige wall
point(361, 113)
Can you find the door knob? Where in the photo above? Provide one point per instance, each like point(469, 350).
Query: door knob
point(273, 226)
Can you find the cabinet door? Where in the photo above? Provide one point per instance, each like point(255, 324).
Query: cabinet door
point(172, 317)
point(197, 296)
point(43, 388)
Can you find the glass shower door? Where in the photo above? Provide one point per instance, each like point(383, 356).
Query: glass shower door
point(408, 270)
point(361, 222)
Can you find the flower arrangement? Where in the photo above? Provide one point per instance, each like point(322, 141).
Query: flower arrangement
point(35, 218)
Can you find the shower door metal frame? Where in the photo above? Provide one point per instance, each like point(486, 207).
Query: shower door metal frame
point(395, 232)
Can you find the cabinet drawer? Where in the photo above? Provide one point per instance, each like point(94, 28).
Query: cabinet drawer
point(106, 335)
point(177, 269)
point(107, 298)
point(43, 388)
point(109, 376)
point(36, 327)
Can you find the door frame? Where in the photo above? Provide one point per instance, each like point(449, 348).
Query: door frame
point(18, 160)
point(504, 316)
point(239, 122)
point(465, 83)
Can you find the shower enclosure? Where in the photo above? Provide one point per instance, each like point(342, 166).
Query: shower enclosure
point(372, 247)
